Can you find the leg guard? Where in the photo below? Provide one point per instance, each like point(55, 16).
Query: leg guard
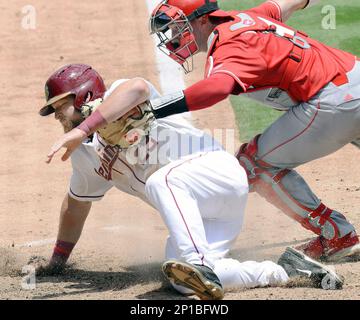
point(287, 191)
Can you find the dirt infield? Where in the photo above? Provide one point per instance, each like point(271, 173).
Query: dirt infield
point(121, 249)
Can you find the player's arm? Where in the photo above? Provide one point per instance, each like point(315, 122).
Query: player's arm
point(123, 99)
point(202, 94)
point(73, 215)
point(288, 7)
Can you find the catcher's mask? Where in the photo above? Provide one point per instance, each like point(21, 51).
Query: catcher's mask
point(79, 80)
point(170, 21)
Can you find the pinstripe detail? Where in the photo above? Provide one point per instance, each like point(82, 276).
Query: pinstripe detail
point(293, 138)
point(231, 74)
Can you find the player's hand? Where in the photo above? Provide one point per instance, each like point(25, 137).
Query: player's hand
point(70, 141)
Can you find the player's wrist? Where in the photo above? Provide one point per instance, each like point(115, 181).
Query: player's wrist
point(92, 123)
point(80, 132)
point(169, 105)
point(310, 3)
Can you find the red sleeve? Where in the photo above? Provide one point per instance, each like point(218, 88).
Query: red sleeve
point(210, 91)
point(242, 58)
point(269, 8)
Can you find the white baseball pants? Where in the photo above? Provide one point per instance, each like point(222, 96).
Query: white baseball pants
point(202, 200)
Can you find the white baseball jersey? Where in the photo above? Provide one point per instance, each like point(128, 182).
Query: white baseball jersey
point(199, 190)
point(98, 166)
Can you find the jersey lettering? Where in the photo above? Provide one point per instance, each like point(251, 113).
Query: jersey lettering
point(108, 159)
point(280, 30)
point(245, 21)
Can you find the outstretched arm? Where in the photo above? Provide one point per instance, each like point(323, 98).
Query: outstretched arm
point(203, 94)
point(288, 7)
point(124, 98)
point(73, 215)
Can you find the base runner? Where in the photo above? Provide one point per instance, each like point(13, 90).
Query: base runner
point(114, 141)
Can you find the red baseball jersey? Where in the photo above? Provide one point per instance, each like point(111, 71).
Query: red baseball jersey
point(258, 60)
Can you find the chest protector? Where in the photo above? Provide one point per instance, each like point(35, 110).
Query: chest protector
point(243, 22)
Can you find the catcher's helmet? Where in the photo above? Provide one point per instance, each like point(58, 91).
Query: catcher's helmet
point(79, 80)
point(194, 8)
point(170, 21)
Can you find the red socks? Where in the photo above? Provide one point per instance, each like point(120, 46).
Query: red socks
point(61, 252)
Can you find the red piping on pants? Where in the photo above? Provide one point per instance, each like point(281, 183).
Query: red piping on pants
point(293, 138)
point(178, 207)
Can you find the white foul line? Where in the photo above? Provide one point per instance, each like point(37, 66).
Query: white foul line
point(170, 73)
point(43, 242)
point(37, 243)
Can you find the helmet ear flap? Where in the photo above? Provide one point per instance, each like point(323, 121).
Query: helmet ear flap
point(88, 97)
point(85, 93)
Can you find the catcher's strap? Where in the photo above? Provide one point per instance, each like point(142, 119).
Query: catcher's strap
point(128, 130)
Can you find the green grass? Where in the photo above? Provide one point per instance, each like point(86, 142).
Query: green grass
point(252, 118)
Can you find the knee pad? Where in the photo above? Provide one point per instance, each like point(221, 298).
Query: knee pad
point(255, 168)
point(268, 185)
point(246, 157)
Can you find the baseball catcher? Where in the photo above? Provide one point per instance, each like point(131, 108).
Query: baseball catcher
point(254, 52)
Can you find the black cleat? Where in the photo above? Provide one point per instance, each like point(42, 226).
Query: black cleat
point(201, 279)
point(297, 264)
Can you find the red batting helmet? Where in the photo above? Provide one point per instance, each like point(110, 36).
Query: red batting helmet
point(79, 80)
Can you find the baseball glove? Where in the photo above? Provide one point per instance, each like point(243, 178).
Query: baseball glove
point(128, 130)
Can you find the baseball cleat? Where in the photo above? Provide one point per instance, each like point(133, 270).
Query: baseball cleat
point(297, 264)
point(201, 279)
point(347, 247)
point(351, 253)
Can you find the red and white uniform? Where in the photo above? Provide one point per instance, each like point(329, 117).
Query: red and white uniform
point(318, 87)
point(199, 190)
point(256, 60)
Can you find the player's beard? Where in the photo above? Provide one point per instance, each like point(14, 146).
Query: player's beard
point(68, 125)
